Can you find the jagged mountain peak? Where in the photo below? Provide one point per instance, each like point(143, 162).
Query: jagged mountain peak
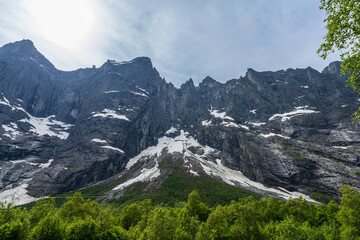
point(25, 50)
point(22, 45)
point(146, 61)
point(19, 48)
point(189, 84)
point(209, 82)
point(142, 60)
point(333, 68)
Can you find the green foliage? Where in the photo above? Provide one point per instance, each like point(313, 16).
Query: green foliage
point(247, 218)
point(161, 224)
point(343, 34)
point(82, 229)
point(349, 214)
point(187, 225)
point(131, 215)
point(320, 197)
point(216, 226)
point(42, 209)
point(176, 188)
point(196, 208)
point(13, 230)
point(48, 228)
point(77, 207)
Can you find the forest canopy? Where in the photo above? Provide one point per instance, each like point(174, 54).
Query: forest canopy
point(247, 218)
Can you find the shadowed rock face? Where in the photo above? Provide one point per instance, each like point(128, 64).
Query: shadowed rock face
point(61, 131)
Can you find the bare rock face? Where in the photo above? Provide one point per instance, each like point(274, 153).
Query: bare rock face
point(61, 131)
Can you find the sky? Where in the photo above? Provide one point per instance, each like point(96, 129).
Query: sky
point(184, 39)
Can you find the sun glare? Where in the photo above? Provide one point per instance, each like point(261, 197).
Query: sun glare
point(64, 22)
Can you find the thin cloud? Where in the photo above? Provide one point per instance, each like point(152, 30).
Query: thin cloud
point(188, 39)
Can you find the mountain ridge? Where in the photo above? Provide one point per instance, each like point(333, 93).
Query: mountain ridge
point(61, 131)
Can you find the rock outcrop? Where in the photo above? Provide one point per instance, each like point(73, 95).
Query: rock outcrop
point(62, 131)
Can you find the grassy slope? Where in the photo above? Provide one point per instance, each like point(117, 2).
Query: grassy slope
point(173, 191)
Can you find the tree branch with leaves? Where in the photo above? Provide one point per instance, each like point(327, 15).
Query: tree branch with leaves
point(343, 34)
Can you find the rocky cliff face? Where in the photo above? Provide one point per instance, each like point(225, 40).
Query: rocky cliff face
point(270, 132)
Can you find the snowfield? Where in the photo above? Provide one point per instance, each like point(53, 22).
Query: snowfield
point(107, 113)
point(48, 126)
point(17, 195)
point(40, 126)
point(298, 111)
point(181, 144)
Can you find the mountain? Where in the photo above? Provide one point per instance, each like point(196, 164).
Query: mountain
point(284, 133)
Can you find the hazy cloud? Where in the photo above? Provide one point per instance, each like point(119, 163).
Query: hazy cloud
point(188, 38)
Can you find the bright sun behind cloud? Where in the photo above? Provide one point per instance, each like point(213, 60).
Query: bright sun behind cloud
point(67, 23)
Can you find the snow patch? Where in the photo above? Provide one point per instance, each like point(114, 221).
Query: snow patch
point(302, 110)
point(6, 102)
point(234, 125)
point(256, 124)
point(141, 89)
point(273, 135)
point(116, 73)
point(253, 111)
point(298, 98)
point(343, 106)
point(114, 149)
point(18, 161)
point(193, 172)
point(206, 123)
point(171, 145)
point(17, 196)
point(341, 147)
point(304, 86)
point(46, 165)
point(109, 113)
point(221, 115)
point(97, 140)
point(112, 91)
point(147, 174)
point(40, 126)
point(171, 130)
point(115, 63)
point(11, 130)
point(139, 94)
point(48, 126)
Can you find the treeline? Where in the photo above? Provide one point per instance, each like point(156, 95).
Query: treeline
point(247, 218)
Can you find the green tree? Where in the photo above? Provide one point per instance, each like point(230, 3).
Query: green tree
point(187, 225)
point(13, 230)
point(290, 229)
point(76, 207)
point(217, 226)
point(343, 34)
point(131, 215)
point(48, 228)
point(161, 224)
point(82, 229)
point(245, 218)
point(114, 233)
point(349, 214)
point(42, 209)
point(272, 210)
point(14, 223)
point(196, 208)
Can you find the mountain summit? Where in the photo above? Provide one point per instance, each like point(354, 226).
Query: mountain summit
point(121, 126)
